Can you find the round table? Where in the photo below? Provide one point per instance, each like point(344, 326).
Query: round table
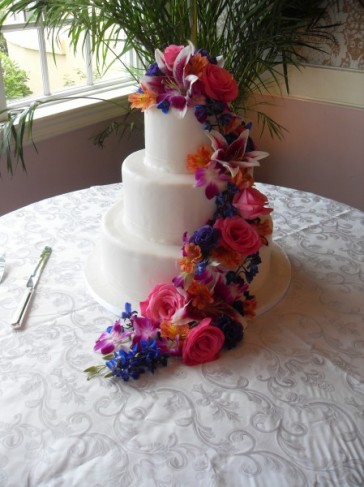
point(284, 408)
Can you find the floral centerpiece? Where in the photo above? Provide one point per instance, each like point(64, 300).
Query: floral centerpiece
point(205, 307)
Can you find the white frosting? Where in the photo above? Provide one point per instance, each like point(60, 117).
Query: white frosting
point(132, 264)
point(168, 139)
point(142, 233)
point(161, 206)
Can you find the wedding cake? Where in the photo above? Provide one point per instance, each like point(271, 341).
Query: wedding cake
point(188, 244)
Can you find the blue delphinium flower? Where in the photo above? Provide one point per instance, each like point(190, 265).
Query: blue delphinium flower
point(223, 201)
point(128, 313)
point(201, 266)
point(251, 266)
point(164, 106)
point(134, 362)
point(233, 277)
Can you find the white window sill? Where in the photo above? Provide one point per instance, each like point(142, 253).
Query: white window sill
point(74, 113)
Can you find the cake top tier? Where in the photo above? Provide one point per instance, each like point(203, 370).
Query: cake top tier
point(169, 140)
point(195, 91)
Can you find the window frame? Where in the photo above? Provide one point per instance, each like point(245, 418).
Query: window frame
point(71, 108)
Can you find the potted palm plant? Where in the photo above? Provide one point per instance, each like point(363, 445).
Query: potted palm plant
point(259, 39)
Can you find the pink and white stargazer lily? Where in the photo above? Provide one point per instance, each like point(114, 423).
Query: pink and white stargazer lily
point(174, 86)
point(234, 155)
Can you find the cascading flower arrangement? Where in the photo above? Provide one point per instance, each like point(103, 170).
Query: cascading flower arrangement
point(205, 307)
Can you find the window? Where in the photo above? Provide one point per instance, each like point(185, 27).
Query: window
point(34, 67)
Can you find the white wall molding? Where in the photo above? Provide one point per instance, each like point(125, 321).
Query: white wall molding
point(326, 84)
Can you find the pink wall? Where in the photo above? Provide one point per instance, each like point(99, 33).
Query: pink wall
point(322, 152)
point(65, 163)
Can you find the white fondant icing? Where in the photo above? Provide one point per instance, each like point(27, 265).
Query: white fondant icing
point(169, 139)
point(162, 206)
point(132, 264)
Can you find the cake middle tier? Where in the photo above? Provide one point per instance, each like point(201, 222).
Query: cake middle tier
point(160, 206)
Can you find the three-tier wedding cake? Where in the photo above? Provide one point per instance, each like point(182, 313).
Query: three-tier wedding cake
point(189, 244)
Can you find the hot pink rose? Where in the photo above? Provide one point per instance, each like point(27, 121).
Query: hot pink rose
point(163, 301)
point(219, 84)
point(170, 53)
point(251, 203)
point(238, 235)
point(203, 344)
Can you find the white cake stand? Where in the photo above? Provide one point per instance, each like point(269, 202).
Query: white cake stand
point(275, 287)
point(267, 296)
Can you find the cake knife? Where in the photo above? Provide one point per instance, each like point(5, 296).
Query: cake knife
point(30, 288)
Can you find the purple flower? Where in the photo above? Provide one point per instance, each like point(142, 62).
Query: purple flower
point(112, 338)
point(144, 329)
point(213, 177)
point(206, 238)
point(154, 70)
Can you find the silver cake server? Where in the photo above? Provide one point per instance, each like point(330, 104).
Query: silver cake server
point(30, 288)
point(2, 266)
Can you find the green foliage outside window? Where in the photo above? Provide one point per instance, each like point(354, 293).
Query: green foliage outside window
point(15, 79)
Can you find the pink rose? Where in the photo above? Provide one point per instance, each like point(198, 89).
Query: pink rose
point(251, 203)
point(203, 344)
point(219, 84)
point(238, 235)
point(163, 301)
point(170, 54)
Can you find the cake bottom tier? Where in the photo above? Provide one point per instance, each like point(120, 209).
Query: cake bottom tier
point(125, 267)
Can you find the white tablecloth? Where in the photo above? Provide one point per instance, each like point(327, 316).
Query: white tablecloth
point(285, 408)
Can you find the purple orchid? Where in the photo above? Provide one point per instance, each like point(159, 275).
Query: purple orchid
point(144, 329)
point(213, 177)
point(112, 339)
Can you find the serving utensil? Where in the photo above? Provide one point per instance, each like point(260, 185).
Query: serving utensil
point(30, 288)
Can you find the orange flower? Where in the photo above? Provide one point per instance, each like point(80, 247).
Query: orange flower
point(201, 296)
point(265, 227)
point(192, 257)
point(243, 179)
point(250, 306)
point(193, 251)
point(172, 331)
point(200, 159)
point(187, 265)
point(196, 65)
point(143, 100)
point(228, 257)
